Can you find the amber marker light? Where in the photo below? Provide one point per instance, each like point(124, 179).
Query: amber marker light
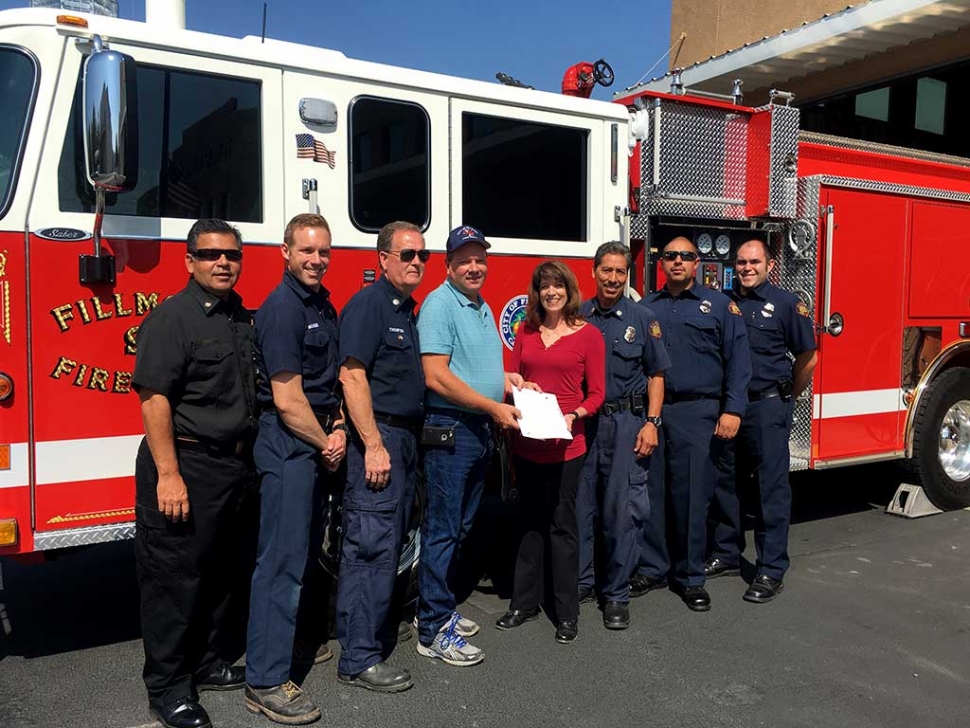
point(75, 20)
point(908, 396)
point(6, 386)
point(8, 532)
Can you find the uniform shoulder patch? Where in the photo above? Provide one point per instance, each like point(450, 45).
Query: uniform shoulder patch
point(733, 308)
point(802, 309)
point(655, 329)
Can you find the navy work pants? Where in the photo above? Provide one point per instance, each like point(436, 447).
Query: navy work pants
point(375, 523)
point(454, 477)
point(687, 475)
point(291, 492)
point(191, 574)
point(759, 456)
point(613, 496)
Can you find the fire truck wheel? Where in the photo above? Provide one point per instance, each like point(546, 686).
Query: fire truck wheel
point(941, 441)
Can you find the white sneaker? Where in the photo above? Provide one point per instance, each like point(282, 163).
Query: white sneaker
point(463, 626)
point(451, 647)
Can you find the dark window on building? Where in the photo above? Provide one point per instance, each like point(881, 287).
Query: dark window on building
point(924, 110)
point(390, 170)
point(19, 74)
point(199, 150)
point(521, 179)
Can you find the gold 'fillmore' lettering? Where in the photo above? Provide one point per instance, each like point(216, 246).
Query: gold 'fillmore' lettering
point(138, 304)
point(99, 380)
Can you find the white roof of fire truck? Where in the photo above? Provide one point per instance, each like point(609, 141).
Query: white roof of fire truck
point(285, 55)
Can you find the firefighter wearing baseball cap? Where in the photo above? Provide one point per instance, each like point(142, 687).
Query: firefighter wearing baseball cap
point(779, 325)
point(705, 398)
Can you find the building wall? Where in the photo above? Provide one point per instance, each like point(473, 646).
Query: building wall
point(716, 26)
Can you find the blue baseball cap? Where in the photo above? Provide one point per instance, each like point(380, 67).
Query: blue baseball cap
point(465, 234)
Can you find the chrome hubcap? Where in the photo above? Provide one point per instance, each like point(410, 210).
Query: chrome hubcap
point(955, 441)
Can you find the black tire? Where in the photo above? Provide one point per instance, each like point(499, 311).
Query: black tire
point(949, 388)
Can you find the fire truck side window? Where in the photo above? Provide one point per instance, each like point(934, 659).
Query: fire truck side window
point(19, 76)
point(199, 150)
point(521, 179)
point(390, 172)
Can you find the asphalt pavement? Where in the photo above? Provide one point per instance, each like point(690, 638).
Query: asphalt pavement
point(872, 630)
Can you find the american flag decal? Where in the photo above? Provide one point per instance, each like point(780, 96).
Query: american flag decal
point(309, 148)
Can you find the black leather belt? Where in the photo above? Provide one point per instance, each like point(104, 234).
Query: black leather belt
point(405, 423)
point(456, 413)
point(210, 447)
point(674, 397)
point(765, 394)
point(633, 403)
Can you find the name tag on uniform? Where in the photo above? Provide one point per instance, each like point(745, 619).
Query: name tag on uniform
point(312, 326)
point(395, 330)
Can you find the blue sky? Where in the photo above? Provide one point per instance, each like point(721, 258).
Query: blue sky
point(534, 40)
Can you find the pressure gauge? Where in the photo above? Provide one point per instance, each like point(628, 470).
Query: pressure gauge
point(705, 243)
point(722, 245)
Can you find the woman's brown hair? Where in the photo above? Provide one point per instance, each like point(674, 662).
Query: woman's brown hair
point(559, 274)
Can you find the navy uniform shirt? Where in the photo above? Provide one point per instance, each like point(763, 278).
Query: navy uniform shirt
point(296, 331)
point(196, 349)
point(778, 323)
point(377, 327)
point(707, 345)
point(634, 345)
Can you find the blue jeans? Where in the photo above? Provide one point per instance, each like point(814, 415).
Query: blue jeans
point(454, 477)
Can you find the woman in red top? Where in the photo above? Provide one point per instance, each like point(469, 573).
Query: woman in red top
point(566, 357)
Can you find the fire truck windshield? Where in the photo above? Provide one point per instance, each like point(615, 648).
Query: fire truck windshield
point(18, 77)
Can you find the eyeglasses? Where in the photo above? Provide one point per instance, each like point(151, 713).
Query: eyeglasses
point(213, 254)
point(408, 254)
point(686, 255)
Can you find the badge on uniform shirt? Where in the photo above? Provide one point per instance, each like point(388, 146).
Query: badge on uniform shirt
point(630, 334)
point(705, 306)
point(802, 309)
point(655, 329)
point(733, 308)
point(766, 314)
point(769, 306)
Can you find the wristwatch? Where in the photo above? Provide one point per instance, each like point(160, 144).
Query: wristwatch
point(655, 421)
point(340, 426)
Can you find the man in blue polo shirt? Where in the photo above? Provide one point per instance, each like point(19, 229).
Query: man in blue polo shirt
point(462, 357)
point(383, 384)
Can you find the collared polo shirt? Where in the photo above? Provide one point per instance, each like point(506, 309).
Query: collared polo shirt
point(634, 345)
point(296, 331)
point(707, 344)
point(196, 349)
point(778, 323)
point(466, 331)
point(377, 328)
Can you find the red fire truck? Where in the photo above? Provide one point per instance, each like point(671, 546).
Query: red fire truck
point(117, 135)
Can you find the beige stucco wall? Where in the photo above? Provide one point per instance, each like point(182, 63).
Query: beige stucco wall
point(716, 26)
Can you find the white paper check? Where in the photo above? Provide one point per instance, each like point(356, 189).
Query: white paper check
point(541, 416)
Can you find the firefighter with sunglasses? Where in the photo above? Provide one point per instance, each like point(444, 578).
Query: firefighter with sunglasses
point(706, 392)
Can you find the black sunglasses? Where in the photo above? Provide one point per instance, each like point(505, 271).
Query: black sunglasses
point(213, 254)
point(408, 254)
point(672, 255)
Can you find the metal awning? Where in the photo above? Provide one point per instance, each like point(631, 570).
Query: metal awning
point(833, 40)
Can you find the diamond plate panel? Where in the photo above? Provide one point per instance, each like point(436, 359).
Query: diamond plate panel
point(698, 169)
point(796, 271)
point(892, 188)
point(783, 180)
point(83, 536)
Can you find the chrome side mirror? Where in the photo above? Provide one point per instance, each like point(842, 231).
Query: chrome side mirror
point(110, 113)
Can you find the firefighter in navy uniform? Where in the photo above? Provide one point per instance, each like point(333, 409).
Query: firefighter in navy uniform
point(195, 378)
point(301, 439)
point(383, 384)
point(621, 436)
point(778, 325)
point(705, 398)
